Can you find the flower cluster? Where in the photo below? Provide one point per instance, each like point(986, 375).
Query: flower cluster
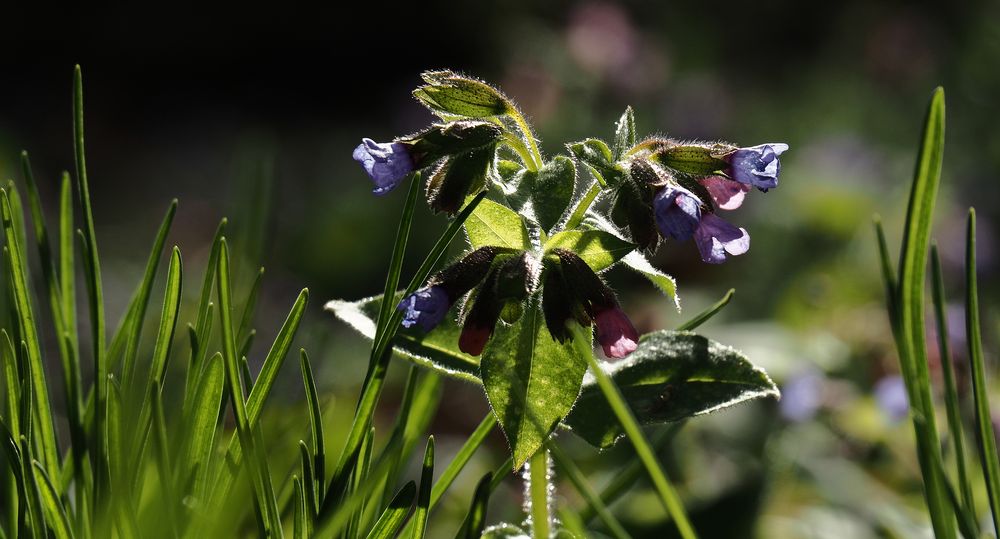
point(659, 189)
point(677, 188)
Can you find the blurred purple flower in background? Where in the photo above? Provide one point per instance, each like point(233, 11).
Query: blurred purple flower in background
point(802, 395)
point(757, 165)
point(426, 307)
point(386, 163)
point(890, 393)
point(716, 238)
point(677, 212)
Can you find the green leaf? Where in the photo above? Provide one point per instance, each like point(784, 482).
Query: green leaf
point(910, 323)
point(52, 506)
point(461, 458)
point(475, 520)
point(504, 531)
point(531, 380)
point(984, 423)
point(662, 281)
point(552, 190)
point(316, 428)
point(708, 313)
point(424, 494)
point(395, 515)
point(12, 387)
point(201, 421)
point(596, 155)
point(42, 411)
point(671, 376)
point(599, 249)
point(437, 350)
point(449, 93)
point(624, 134)
point(494, 224)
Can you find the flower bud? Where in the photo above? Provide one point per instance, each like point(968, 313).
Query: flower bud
point(453, 138)
point(559, 306)
point(481, 318)
point(448, 93)
point(691, 159)
point(615, 332)
point(457, 178)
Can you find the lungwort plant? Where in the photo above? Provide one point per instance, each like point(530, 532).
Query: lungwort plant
point(518, 311)
point(168, 439)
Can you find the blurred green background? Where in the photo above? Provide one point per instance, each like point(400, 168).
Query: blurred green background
point(253, 115)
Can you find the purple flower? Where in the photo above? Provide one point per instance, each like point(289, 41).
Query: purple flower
point(757, 165)
point(802, 396)
point(716, 238)
point(615, 332)
point(727, 194)
point(386, 163)
point(426, 307)
point(473, 338)
point(677, 212)
point(890, 393)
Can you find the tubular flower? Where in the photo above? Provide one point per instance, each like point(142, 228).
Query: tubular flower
point(727, 194)
point(387, 164)
point(677, 212)
point(716, 238)
point(615, 332)
point(757, 165)
point(426, 307)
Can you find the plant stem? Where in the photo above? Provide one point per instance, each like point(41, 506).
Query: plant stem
point(521, 150)
point(668, 496)
point(580, 212)
point(538, 490)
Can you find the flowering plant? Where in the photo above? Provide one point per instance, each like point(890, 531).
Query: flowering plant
point(514, 313)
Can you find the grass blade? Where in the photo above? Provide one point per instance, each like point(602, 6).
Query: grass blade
point(248, 308)
point(299, 526)
point(29, 492)
point(475, 520)
point(395, 514)
point(424, 495)
point(95, 294)
point(245, 428)
point(984, 422)
point(465, 453)
point(580, 482)
point(629, 424)
point(29, 332)
point(142, 294)
point(52, 506)
point(708, 313)
point(204, 322)
point(316, 428)
point(161, 449)
point(911, 319)
point(951, 397)
point(201, 426)
point(12, 387)
point(308, 481)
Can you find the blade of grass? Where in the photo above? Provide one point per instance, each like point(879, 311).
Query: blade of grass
point(475, 520)
point(201, 426)
point(12, 387)
point(419, 407)
point(47, 443)
point(30, 493)
point(465, 453)
point(136, 317)
point(708, 313)
point(316, 429)
point(984, 421)
point(912, 345)
point(396, 261)
point(625, 478)
point(52, 506)
point(951, 397)
point(360, 473)
point(308, 480)
point(629, 424)
point(95, 293)
point(372, 388)
point(579, 481)
point(424, 494)
point(248, 308)
point(161, 450)
point(204, 321)
point(67, 275)
point(261, 389)
point(244, 427)
point(395, 514)
point(299, 526)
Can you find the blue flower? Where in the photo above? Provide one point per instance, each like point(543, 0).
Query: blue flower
point(756, 165)
point(716, 238)
point(386, 163)
point(426, 307)
point(677, 212)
